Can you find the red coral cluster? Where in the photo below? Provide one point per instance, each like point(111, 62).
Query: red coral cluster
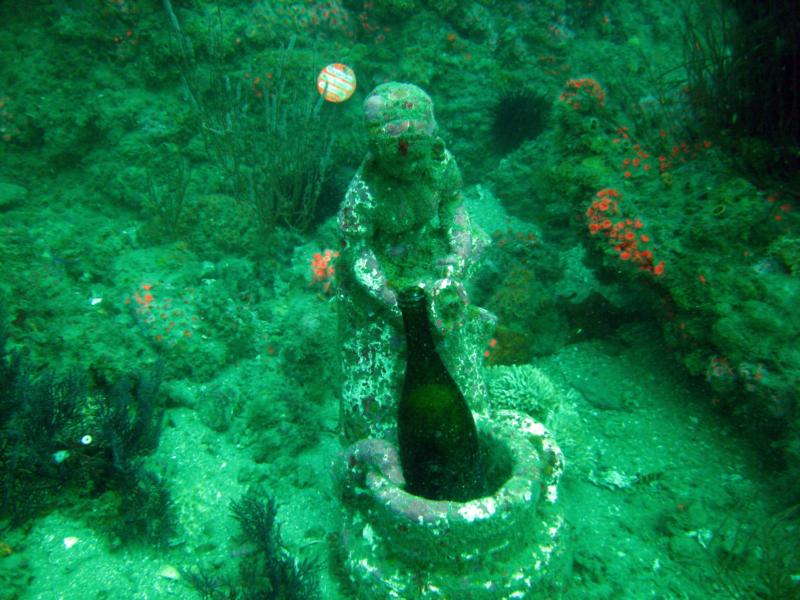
point(584, 94)
point(624, 235)
point(323, 269)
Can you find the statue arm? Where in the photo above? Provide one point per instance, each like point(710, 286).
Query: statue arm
point(369, 275)
point(357, 226)
point(455, 221)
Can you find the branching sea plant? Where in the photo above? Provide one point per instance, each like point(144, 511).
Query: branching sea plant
point(741, 61)
point(63, 438)
point(267, 570)
point(273, 147)
point(167, 182)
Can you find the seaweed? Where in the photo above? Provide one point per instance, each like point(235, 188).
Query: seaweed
point(269, 571)
point(753, 111)
point(130, 419)
point(276, 574)
point(146, 510)
point(36, 423)
point(62, 435)
point(209, 585)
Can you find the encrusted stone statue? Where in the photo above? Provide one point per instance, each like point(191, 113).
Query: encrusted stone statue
point(403, 223)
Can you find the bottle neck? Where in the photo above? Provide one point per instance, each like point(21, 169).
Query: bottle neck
point(413, 305)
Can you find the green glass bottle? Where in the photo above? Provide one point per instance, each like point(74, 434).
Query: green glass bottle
point(437, 438)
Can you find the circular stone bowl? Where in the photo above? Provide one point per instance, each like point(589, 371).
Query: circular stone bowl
point(397, 545)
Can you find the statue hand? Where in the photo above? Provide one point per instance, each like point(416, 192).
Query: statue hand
point(389, 297)
point(448, 299)
point(451, 266)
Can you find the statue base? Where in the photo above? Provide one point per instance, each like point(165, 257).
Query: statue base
point(505, 545)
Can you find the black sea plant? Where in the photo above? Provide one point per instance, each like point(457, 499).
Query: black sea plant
point(68, 438)
point(268, 571)
point(275, 574)
point(742, 62)
point(37, 415)
point(129, 427)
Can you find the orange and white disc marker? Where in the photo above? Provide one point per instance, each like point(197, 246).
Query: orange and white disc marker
point(336, 82)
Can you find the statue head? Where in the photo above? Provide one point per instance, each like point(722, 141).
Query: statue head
point(402, 129)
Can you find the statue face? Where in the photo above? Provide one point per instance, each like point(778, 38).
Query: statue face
point(402, 128)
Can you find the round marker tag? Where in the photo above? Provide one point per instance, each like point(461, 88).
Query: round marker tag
point(336, 82)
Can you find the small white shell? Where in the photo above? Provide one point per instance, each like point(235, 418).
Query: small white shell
point(70, 541)
point(170, 572)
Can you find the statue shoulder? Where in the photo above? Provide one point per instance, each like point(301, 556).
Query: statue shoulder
point(450, 182)
point(355, 213)
point(451, 179)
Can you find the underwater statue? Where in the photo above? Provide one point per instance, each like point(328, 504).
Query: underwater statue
point(489, 526)
point(403, 224)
